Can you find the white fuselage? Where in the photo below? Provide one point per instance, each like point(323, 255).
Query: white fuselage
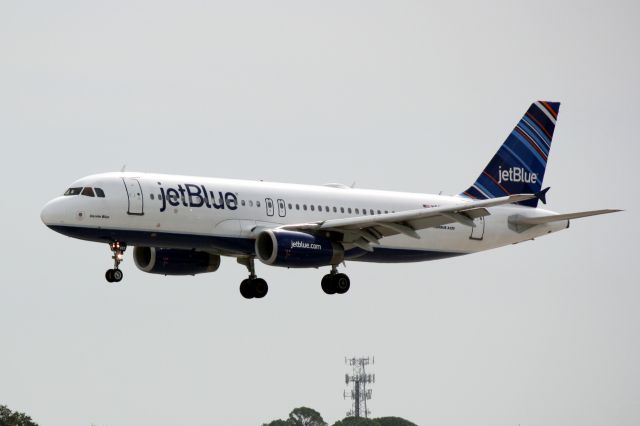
point(224, 216)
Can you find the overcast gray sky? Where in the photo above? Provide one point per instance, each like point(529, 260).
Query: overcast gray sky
point(398, 95)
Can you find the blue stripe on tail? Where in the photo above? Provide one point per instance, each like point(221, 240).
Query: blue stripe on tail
point(518, 166)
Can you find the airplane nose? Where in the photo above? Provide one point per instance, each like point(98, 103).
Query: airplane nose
point(45, 214)
point(50, 213)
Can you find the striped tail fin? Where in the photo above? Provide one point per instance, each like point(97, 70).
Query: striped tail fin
point(518, 166)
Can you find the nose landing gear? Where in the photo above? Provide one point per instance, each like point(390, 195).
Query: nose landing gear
point(115, 275)
point(335, 282)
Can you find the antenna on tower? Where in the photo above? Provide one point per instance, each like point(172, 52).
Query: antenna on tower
point(359, 381)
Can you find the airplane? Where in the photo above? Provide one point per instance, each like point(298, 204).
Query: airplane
point(182, 225)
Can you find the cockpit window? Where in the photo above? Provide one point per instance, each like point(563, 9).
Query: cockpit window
point(99, 192)
point(73, 191)
point(88, 191)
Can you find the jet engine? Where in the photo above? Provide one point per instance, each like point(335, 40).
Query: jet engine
point(174, 261)
point(293, 249)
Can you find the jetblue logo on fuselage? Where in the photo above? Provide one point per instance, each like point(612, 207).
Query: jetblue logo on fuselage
point(191, 195)
point(516, 174)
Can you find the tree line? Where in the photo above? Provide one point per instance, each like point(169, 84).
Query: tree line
point(305, 416)
point(14, 418)
point(301, 416)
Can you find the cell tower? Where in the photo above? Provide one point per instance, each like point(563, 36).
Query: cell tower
point(359, 380)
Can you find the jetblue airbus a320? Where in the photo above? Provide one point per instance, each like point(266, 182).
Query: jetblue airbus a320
point(182, 225)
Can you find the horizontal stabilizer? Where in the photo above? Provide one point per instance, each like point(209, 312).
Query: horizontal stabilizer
point(556, 217)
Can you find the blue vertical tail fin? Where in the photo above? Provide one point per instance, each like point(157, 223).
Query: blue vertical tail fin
point(518, 166)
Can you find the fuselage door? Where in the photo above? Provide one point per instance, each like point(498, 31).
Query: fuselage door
point(282, 209)
point(269, 204)
point(134, 195)
point(477, 232)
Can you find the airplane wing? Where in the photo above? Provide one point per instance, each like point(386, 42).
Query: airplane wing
point(362, 231)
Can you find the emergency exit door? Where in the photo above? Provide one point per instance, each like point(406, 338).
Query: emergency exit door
point(282, 208)
point(269, 205)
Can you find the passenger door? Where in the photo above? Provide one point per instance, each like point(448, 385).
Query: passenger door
point(477, 232)
point(134, 196)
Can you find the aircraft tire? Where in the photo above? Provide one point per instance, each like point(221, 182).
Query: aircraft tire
point(245, 289)
point(328, 284)
point(109, 275)
point(260, 288)
point(342, 283)
point(117, 275)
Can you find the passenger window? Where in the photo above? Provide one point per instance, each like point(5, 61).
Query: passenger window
point(357, 211)
point(150, 195)
point(379, 211)
point(257, 203)
point(364, 212)
point(349, 210)
point(88, 191)
point(242, 203)
point(371, 211)
point(99, 192)
point(290, 206)
point(313, 207)
point(73, 191)
point(304, 207)
point(341, 209)
point(297, 206)
point(335, 210)
point(250, 203)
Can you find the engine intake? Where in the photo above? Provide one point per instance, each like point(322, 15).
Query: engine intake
point(297, 249)
point(174, 261)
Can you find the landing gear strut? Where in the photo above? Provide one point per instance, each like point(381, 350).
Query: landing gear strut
point(252, 286)
point(335, 282)
point(115, 275)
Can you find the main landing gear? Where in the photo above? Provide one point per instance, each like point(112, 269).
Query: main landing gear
point(115, 275)
point(252, 287)
point(335, 282)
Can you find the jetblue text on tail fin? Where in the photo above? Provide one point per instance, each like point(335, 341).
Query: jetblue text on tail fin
point(518, 166)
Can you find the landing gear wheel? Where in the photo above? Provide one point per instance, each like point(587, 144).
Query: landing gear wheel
point(328, 284)
point(254, 288)
point(341, 283)
point(113, 275)
point(246, 289)
point(260, 288)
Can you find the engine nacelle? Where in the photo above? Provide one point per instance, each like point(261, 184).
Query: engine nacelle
point(174, 261)
point(297, 249)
